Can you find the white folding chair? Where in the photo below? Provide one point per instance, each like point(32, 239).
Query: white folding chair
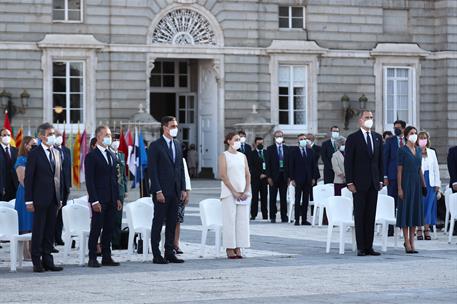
point(9, 231)
point(211, 217)
point(146, 199)
point(346, 193)
point(383, 191)
point(453, 213)
point(6, 204)
point(139, 219)
point(447, 198)
point(385, 216)
point(76, 222)
point(320, 194)
point(291, 202)
point(339, 213)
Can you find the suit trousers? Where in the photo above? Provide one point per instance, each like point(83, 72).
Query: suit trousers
point(102, 220)
point(235, 224)
point(44, 221)
point(164, 213)
point(59, 221)
point(392, 190)
point(364, 217)
point(302, 191)
point(259, 187)
point(281, 186)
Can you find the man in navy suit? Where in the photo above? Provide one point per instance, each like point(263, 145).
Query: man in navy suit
point(327, 150)
point(65, 157)
point(303, 172)
point(245, 148)
point(43, 196)
point(8, 177)
point(277, 173)
point(258, 169)
point(363, 166)
point(452, 167)
point(168, 186)
point(103, 190)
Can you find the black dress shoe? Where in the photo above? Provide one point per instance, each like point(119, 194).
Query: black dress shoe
point(159, 260)
point(94, 264)
point(372, 252)
point(52, 268)
point(361, 253)
point(38, 269)
point(252, 218)
point(178, 251)
point(54, 250)
point(110, 262)
point(297, 223)
point(285, 220)
point(173, 259)
point(60, 243)
point(306, 223)
point(273, 221)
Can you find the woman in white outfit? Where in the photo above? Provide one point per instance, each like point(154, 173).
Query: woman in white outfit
point(235, 197)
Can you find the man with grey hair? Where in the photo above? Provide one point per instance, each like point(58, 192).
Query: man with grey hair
point(43, 196)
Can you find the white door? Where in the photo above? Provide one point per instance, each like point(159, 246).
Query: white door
point(186, 116)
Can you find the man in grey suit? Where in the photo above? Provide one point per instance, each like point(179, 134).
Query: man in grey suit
point(168, 186)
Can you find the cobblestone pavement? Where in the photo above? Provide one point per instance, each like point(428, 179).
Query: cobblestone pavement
point(286, 264)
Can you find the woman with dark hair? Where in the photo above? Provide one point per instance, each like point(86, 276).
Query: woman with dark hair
point(235, 197)
point(411, 187)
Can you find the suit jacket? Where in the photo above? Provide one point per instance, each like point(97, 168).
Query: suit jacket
point(247, 150)
point(7, 171)
point(361, 168)
point(101, 179)
point(391, 147)
point(452, 165)
point(302, 169)
point(273, 169)
point(66, 167)
point(165, 175)
point(338, 167)
point(327, 151)
point(256, 166)
point(39, 181)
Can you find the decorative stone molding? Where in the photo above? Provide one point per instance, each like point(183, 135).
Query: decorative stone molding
point(399, 49)
point(70, 41)
point(295, 47)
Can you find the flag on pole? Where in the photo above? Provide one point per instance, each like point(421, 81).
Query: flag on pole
point(7, 125)
point(133, 164)
point(19, 136)
point(123, 147)
point(129, 143)
point(142, 159)
point(83, 152)
point(76, 160)
point(132, 152)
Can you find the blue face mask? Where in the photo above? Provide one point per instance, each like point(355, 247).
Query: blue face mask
point(107, 141)
point(302, 143)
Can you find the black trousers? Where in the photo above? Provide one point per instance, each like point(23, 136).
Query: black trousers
point(44, 221)
point(259, 187)
point(164, 212)
point(364, 216)
point(59, 221)
point(302, 191)
point(102, 220)
point(281, 186)
point(10, 190)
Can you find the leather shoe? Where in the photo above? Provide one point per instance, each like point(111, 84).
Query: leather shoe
point(94, 264)
point(306, 223)
point(38, 269)
point(60, 243)
point(159, 260)
point(110, 262)
point(361, 253)
point(297, 223)
point(372, 252)
point(173, 259)
point(273, 220)
point(52, 268)
point(54, 250)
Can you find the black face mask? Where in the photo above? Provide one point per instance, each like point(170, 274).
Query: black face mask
point(33, 147)
point(260, 147)
point(397, 131)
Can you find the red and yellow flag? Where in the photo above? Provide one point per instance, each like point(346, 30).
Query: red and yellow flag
point(76, 160)
point(19, 136)
point(7, 125)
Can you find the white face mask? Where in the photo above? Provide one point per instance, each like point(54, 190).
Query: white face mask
point(242, 140)
point(107, 141)
point(174, 132)
point(335, 134)
point(309, 142)
point(51, 140)
point(412, 138)
point(342, 148)
point(302, 143)
point(59, 140)
point(279, 140)
point(236, 145)
point(6, 139)
point(368, 123)
point(115, 145)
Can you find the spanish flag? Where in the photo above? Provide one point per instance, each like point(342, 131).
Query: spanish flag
point(7, 125)
point(76, 160)
point(19, 136)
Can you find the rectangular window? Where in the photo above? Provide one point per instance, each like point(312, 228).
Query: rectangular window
point(292, 90)
point(67, 10)
point(170, 74)
point(68, 91)
point(291, 17)
point(399, 95)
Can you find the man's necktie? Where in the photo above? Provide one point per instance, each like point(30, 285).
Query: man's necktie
point(108, 157)
point(8, 155)
point(401, 142)
point(281, 155)
point(171, 150)
point(370, 146)
point(301, 150)
point(51, 160)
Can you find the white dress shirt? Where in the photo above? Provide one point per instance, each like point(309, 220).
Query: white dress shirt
point(365, 136)
point(103, 150)
point(173, 148)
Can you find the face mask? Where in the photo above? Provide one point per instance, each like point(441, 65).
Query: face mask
point(107, 141)
point(115, 145)
point(174, 132)
point(309, 142)
point(59, 140)
point(6, 139)
point(260, 146)
point(423, 143)
point(279, 140)
point(413, 138)
point(32, 147)
point(51, 140)
point(335, 135)
point(397, 132)
point(242, 140)
point(236, 145)
point(342, 148)
point(368, 123)
point(302, 143)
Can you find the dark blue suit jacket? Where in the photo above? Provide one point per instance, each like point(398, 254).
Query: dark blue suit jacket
point(391, 147)
point(101, 179)
point(5, 172)
point(272, 159)
point(452, 165)
point(302, 169)
point(327, 151)
point(66, 167)
point(165, 175)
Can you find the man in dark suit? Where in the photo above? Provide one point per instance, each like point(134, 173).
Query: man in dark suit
point(316, 154)
point(245, 148)
point(8, 177)
point(452, 168)
point(65, 157)
point(363, 165)
point(277, 173)
point(43, 196)
point(327, 150)
point(168, 186)
point(258, 168)
point(103, 190)
point(303, 172)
